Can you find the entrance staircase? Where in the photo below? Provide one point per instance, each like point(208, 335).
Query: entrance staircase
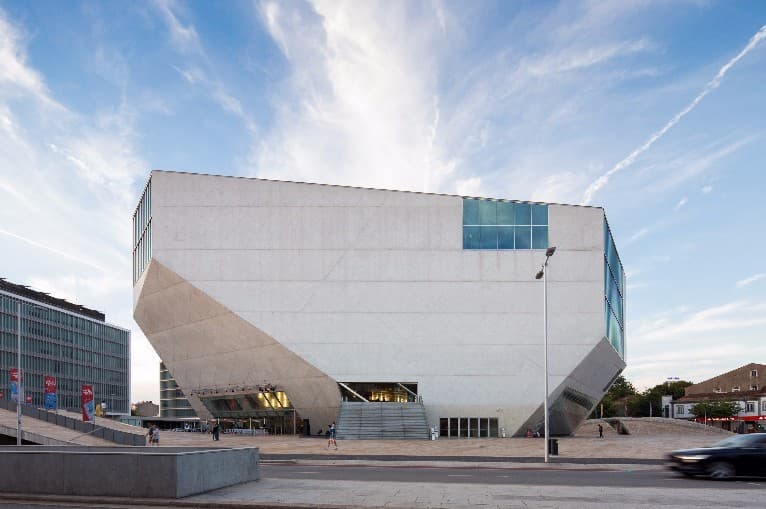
point(374, 421)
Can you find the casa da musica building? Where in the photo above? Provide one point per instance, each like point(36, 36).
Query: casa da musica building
point(266, 297)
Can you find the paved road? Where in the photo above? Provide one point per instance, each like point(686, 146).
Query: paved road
point(526, 475)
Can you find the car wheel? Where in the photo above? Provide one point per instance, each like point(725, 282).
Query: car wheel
point(721, 470)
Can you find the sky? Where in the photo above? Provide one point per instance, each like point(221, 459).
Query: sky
point(652, 109)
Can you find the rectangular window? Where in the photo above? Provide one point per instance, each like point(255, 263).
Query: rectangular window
point(753, 387)
point(735, 388)
point(491, 224)
point(679, 409)
point(754, 373)
point(750, 406)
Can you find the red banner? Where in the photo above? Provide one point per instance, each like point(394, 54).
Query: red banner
point(88, 410)
point(15, 384)
point(50, 384)
point(29, 400)
point(51, 398)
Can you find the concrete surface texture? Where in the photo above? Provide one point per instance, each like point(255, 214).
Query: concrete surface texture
point(45, 433)
point(585, 444)
point(369, 285)
point(137, 472)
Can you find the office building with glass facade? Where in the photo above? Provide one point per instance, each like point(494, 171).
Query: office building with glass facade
point(270, 298)
point(66, 341)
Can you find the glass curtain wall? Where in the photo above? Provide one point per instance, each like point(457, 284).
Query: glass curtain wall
point(614, 293)
point(142, 232)
point(74, 349)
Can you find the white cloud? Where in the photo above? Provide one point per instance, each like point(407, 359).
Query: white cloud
point(711, 85)
point(69, 186)
point(683, 201)
point(643, 232)
point(707, 189)
point(750, 280)
point(184, 37)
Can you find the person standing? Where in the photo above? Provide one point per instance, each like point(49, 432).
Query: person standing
point(156, 436)
point(600, 431)
point(331, 435)
point(216, 432)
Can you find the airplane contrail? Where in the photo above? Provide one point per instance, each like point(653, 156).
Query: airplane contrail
point(712, 85)
point(52, 250)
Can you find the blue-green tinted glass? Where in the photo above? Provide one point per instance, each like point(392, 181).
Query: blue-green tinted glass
point(488, 237)
point(470, 211)
point(523, 237)
point(487, 212)
point(540, 214)
point(614, 299)
point(505, 213)
point(505, 237)
point(539, 237)
point(470, 237)
point(614, 333)
point(523, 213)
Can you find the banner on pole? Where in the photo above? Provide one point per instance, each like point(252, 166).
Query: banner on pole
point(15, 384)
point(51, 397)
point(88, 409)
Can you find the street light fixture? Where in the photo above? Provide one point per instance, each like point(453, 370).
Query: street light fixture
point(541, 275)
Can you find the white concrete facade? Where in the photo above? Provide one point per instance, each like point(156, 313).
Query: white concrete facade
point(375, 286)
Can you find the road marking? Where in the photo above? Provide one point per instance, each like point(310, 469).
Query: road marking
point(306, 472)
point(504, 476)
point(459, 475)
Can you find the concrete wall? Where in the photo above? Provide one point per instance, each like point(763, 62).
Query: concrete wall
point(371, 285)
point(120, 472)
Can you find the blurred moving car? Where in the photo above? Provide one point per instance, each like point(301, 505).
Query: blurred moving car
point(740, 455)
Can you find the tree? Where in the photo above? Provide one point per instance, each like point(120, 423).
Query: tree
point(639, 406)
point(725, 409)
point(619, 389)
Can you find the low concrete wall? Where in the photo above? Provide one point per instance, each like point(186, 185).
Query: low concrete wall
point(140, 472)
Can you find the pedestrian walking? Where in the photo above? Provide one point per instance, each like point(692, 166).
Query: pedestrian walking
point(331, 437)
point(216, 432)
point(600, 431)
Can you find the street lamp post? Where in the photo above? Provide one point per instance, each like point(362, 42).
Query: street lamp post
point(548, 253)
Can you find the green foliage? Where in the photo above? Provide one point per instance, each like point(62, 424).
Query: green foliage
point(619, 389)
point(725, 409)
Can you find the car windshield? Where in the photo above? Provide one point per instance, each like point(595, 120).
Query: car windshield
point(739, 441)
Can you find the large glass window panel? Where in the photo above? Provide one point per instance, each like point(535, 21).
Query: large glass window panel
point(463, 427)
point(505, 213)
point(540, 214)
point(487, 212)
point(493, 432)
point(488, 237)
point(523, 213)
point(470, 211)
point(539, 237)
point(523, 237)
point(505, 235)
point(470, 237)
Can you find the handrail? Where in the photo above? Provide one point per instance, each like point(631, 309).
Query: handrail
point(352, 391)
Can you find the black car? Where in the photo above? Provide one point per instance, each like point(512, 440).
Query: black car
point(740, 455)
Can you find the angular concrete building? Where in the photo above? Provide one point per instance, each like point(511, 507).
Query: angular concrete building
point(308, 301)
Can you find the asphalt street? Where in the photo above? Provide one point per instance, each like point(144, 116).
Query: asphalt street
point(527, 475)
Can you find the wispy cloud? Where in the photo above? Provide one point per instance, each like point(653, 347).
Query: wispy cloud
point(683, 201)
point(711, 85)
point(643, 232)
point(707, 189)
point(200, 71)
point(750, 280)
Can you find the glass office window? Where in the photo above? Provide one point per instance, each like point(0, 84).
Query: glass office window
point(614, 296)
point(492, 224)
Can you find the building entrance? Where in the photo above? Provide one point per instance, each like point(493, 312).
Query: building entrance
point(379, 392)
